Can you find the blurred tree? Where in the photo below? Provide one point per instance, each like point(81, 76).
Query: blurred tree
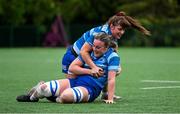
point(17, 12)
point(101, 10)
point(40, 13)
point(20, 12)
point(12, 12)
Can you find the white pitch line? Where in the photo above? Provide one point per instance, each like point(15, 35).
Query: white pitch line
point(160, 81)
point(161, 87)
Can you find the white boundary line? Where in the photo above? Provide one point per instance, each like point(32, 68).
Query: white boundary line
point(160, 81)
point(161, 87)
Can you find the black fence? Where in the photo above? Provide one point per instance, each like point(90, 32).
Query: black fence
point(29, 36)
point(19, 36)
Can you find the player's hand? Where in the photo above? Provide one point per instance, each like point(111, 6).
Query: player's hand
point(97, 71)
point(109, 101)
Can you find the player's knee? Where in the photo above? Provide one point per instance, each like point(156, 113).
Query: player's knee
point(67, 96)
point(73, 95)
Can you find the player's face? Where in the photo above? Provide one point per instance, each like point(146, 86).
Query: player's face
point(117, 31)
point(99, 48)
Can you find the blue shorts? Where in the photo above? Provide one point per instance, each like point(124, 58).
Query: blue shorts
point(68, 58)
point(85, 81)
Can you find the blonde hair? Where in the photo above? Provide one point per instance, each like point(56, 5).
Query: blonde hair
point(107, 39)
point(126, 21)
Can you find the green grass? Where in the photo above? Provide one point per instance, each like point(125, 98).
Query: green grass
point(21, 68)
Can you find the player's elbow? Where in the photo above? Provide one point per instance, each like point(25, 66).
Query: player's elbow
point(71, 68)
point(74, 68)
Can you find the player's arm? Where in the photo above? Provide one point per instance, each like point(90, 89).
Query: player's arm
point(77, 69)
point(85, 50)
point(113, 68)
point(111, 86)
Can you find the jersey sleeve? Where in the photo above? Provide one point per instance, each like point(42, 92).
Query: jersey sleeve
point(89, 36)
point(113, 62)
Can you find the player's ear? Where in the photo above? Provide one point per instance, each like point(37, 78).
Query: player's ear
point(112, 26)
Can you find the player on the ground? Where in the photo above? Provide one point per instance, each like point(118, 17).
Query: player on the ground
point(85, 87)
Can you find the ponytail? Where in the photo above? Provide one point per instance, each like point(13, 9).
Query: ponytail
point(135, 24)
point(126, 21)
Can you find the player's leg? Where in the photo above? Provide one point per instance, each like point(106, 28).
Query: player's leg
point(26, 97)
point(104, 95)
point(50, 89)
point(64, 84)
point(74, 95)
point(31, 91)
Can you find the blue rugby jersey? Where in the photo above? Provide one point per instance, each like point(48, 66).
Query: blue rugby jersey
point(109, 61)
point(89, 37)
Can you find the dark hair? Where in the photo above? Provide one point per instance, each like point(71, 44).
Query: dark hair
point(107, 39)
point(126, 21)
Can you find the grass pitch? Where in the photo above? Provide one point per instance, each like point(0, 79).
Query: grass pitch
point(149, 83)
